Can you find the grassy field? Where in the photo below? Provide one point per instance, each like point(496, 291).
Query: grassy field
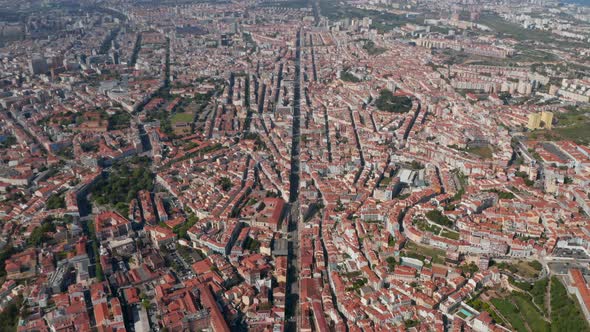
point(288, 4)
point(529, 269)
point(538, 292)
point(573, 125)
point(508, 29)
point(182, 117)
point(424, 226)
point(573, 117)
point(382, 20)
point(520, 311)
point(484, 152)
point(527, 54)
point(335, 11)
point(530, 314)
point(510, 312)
point(578, 133)
point(523, 53)
point(524, 269)
point(449, 234)
point(415, 250)
point(565, 311)
point(480, 305)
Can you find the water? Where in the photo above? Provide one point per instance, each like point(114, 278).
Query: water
point(466, 313)
point(577, 2)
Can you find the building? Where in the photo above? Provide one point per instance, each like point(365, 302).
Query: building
point(109, 225)
point(540, 120)
point(160, 236)
point(579, 287)
point(576, 90)
point(38, 65)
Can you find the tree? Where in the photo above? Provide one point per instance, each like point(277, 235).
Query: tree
point(469, 269)
point(252, 245)
point(372, 49)
point(8, 141)
point(55, 202)
point(391, 241)
point(348, 77)
point(99, 272)
point(9, 317)
point(388, 102)
point(119, 120)
point(4, 255)
point(39, 234)
point(502, 194)
point(565, 313)
point(225, 183)
point(122, 208)
point(89, 146)
point(416, 165)
point(339, 206)
point(437, 217)
point(125, 180)
point(390, 263)
point(505, 97)
point(182, 229)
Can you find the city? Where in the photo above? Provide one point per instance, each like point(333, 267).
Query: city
point(294, 165)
